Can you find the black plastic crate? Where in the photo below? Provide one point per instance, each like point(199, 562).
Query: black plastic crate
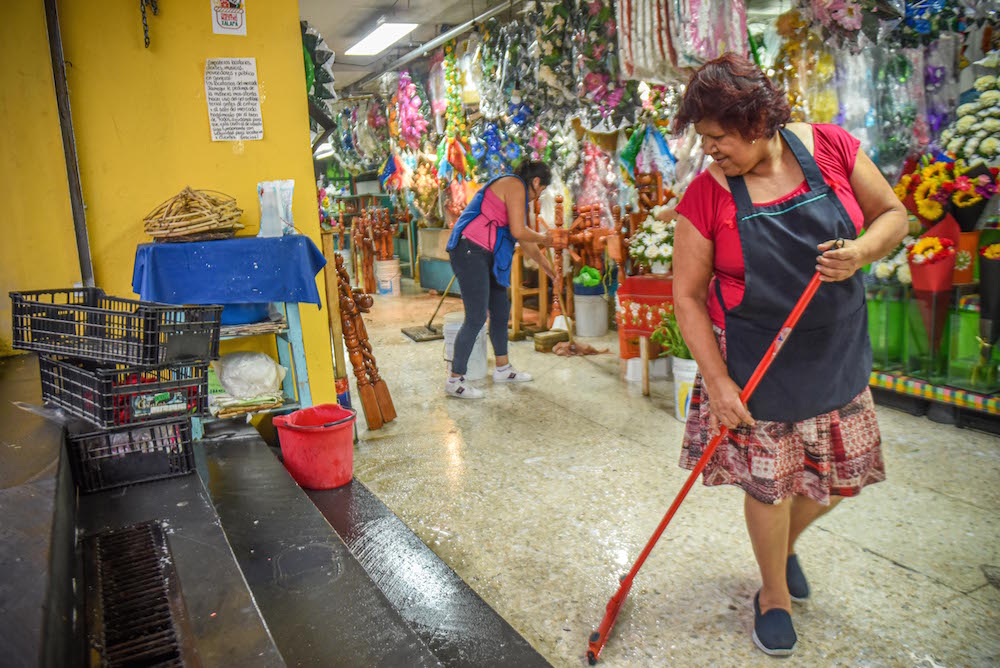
point(120, 395)
point(87, 324)
point(107, 459)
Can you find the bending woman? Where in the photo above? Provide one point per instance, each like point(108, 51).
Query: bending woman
point(481, 248)
point(751, 232)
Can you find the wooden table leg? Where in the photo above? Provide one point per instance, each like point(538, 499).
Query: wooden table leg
point(516, 288)
point(644, 359)
point(543, 300)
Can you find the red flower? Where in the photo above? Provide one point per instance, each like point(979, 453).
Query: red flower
point(963, 183)
point(916, 180)
point(948, 187)
point(947, 243)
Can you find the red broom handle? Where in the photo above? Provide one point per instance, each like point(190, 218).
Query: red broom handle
point(619, 598)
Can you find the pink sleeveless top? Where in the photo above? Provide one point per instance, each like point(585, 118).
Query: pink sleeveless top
point(480, 229)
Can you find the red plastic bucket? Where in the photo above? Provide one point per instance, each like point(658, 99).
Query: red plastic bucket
point(317, 445)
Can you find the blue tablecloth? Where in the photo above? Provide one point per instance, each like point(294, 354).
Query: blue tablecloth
point(246, 270)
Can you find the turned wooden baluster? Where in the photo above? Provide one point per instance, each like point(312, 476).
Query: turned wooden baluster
point(369, 400)
point(370, 250)
point(385, 404)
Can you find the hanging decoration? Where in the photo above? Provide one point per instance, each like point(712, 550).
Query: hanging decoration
point(318, 60)
point(412, 126)
point(702, 30)
point(607, 104)
point(975, 135)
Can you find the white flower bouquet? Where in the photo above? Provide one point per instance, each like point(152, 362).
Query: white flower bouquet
point(894, 269)
point(653, 242)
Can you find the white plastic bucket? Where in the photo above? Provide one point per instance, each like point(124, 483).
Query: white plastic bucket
point(477, 359)
point(591, 315)
point(388, 277)
point(684, 374)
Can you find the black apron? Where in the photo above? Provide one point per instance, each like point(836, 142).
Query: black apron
point(827, 361)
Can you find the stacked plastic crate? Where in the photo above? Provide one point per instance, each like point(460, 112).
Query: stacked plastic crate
point(133, 372)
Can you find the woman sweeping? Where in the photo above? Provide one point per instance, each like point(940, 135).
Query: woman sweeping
point(751, 232)
point(481, 248)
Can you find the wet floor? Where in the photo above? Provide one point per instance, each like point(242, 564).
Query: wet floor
point(541, 495)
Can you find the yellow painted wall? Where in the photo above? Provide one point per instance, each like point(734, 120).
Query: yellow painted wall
point(37, 246)
point(142, 130)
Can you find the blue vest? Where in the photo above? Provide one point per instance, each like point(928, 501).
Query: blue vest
point(503, 248)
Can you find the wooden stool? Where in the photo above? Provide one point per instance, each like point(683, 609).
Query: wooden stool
point(518, 293)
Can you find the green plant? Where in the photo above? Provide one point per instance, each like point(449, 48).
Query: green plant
point(668, 335)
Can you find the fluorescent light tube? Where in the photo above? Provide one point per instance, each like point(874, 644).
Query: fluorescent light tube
point(324, 150)
point(381, 39)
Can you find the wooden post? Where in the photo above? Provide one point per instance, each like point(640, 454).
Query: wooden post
point(644, 359)
point(369, 401)
point(333, 305)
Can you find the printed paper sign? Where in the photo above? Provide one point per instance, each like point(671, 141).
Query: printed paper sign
point(229, 17)
point(233, 99)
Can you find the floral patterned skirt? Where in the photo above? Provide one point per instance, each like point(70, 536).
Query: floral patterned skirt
point(835, 454)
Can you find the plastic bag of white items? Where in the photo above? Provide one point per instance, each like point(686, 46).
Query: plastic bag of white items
point(276, 208)
point(247, 375)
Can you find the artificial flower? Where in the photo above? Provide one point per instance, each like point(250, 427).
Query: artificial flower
point(991, 252)
point(930, 209)
point(966, 198)
point(989, 147)
point(848, 16)
point(989, 98)
point(930, 250)
point(926, 190)
point(967, 109)
point(965, 123)
point(992, 125)
point(902, 188)
point(986, 83)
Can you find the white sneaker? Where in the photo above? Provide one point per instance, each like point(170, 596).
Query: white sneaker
point(457, 387)
point(509, 374)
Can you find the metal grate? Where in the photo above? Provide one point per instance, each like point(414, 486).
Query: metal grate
point(135, 613)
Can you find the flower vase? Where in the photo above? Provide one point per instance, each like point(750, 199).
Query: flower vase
point(927, 334)
point(911, 206)
point(968, 216)
point(660, 268)
point(965, 257)
point(886, 325)
point(972, 361)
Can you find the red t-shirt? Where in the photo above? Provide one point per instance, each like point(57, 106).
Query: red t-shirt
point(712, 211)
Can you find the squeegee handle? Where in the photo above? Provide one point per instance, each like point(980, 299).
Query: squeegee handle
point(445, 294)
point(779, 340)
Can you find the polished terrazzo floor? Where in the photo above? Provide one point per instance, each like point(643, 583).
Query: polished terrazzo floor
point(541, 495)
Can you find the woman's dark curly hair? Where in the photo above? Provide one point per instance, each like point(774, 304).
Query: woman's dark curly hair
point(529, 169)
point(736, 94)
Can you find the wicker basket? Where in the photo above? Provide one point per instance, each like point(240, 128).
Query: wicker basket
point(194, 215)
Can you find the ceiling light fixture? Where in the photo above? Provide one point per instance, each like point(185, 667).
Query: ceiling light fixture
point(378, 40)
point(323, 151)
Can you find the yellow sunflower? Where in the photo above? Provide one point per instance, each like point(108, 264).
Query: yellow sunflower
point(927, 188)
point(903, 187)
point(930, 209)
point(966, 198)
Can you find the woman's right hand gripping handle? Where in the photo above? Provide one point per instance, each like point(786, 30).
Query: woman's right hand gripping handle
point(725, 404)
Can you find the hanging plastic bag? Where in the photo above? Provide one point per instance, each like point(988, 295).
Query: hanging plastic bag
point(247, 375)
point(275, 199)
